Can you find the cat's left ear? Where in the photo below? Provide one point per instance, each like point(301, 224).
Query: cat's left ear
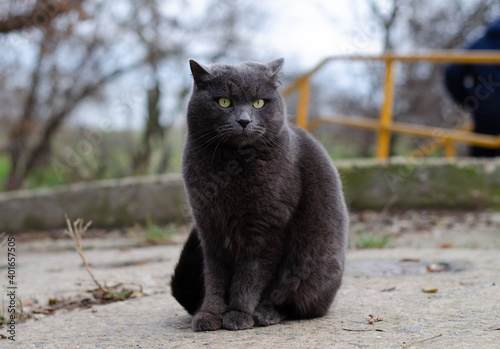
point(274, 68)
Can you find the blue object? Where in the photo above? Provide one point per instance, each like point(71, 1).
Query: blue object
point(477, 87)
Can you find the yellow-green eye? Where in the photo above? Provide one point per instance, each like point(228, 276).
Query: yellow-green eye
point(224, 102)
point(259, 103)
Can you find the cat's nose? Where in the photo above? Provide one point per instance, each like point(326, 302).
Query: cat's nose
point(243, 122)
point(244, 119)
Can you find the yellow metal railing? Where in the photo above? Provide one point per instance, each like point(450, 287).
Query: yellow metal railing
point(385, 125)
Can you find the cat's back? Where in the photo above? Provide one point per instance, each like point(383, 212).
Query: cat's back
point(312, 157)
point(320, 180)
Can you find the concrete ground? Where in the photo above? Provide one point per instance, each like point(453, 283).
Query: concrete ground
point(388, 283)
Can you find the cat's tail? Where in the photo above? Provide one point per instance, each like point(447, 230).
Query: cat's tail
point(187, 282)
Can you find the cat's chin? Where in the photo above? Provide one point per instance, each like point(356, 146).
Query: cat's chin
point(243, 138)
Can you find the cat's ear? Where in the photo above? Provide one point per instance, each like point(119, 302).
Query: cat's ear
point(199, 72)
point(274, 68)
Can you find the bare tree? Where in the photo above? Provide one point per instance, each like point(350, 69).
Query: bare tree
point(386, 20)
point(42, 12)
point(82, 46)
point(421, 97)
point(222, 29)
point(415, 25)
point(154, 131)
point(69, 68)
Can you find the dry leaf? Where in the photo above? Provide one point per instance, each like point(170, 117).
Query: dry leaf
point(435, 268)
point(374, 318)
point(27, 302)
point(43, 311)
point(431, 290)
point(136, 294)
point(447, 245)
point(493, 328)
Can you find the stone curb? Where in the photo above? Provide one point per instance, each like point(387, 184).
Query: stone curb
point(368, 184)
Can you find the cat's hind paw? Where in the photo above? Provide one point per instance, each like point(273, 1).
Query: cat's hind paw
point(206, 322)
point(236, 320)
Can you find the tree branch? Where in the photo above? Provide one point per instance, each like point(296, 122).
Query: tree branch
point(43, 12)
point(57, 119)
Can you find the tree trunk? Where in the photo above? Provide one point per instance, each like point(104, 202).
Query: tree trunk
point(153, 131)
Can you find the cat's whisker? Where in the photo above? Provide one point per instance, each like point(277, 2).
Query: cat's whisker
point(203, 135)
point(215, 150)
point(263, 141)
point(273, 140)
point(223, 127)
point(211, 137)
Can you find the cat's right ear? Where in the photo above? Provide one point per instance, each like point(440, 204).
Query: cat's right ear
point(200, 73)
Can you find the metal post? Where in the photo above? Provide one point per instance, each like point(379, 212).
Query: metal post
point(302, 110)
point(450, 148)
point(384, 134)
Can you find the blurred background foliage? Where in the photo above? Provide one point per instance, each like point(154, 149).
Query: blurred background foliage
point(94, 89)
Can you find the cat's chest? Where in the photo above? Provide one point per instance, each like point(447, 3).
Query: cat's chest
point(236, 190)
point(243, 184)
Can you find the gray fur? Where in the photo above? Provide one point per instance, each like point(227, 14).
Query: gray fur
point(270, 221)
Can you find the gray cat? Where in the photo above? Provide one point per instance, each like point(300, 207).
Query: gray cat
point(270, 221)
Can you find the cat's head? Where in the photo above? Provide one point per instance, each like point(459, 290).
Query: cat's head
point(235, 104)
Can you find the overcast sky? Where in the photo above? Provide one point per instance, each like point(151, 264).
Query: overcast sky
point(307, 32)
point(303, 32)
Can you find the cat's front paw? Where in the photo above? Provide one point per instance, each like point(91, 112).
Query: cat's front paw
point(236, 320)
point(265, 314)
point(206, 322)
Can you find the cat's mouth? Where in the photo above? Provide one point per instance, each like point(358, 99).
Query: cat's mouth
point(239, 135)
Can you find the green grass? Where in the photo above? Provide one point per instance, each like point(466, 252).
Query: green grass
point(156, 234)
point(371, 240)
point(20, 315)
point(46, 178)
point(4, 170)
point(176, 147)
point(111, 155)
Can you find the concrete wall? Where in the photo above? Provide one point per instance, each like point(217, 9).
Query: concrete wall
point(118, 202)
point(424, 183)
point(407, 183)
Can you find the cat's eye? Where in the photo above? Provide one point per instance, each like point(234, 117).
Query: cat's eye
point(224, 102)
point(259, 103)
